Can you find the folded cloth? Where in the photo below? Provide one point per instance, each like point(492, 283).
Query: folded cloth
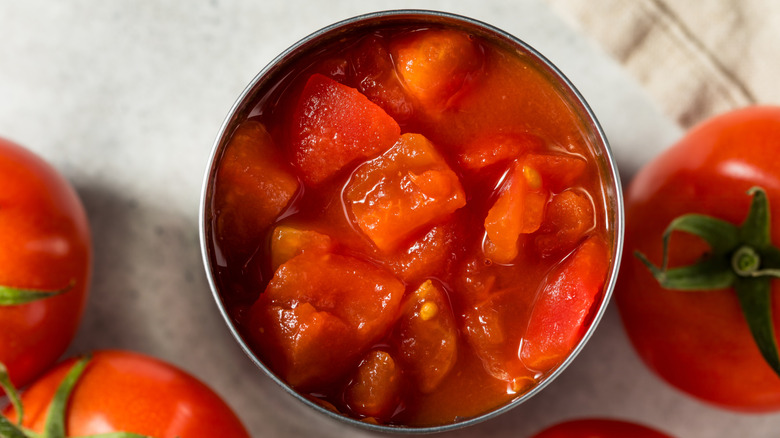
point(696, 59)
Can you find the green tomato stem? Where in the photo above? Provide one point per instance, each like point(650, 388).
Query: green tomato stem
point(55, 416)
point(745, 261)
point(12, 393)
point(13, 296)
point(9, 430)
point(742, 258)
point(755, 298)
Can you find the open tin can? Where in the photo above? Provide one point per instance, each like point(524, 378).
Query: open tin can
point(553, 122)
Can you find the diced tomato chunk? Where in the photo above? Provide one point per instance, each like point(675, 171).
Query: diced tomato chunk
point(373, 70)
point(432, 254)
point(494, 148)
point(494, 329)
point(569, 217)
point(559, 172)
point(562, 311)
point(253, 186)
point(299, 341)
point(287, 242)
point(320, 312)
point(405, 189)
point(476, 281)
point(333, 126)
point(426, 336)
point(434, 64)
point(375, 389)
point(518, 210)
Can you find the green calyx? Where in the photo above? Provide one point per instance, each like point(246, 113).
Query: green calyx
point(14, 296)
point(54, 427)
point(742, 258)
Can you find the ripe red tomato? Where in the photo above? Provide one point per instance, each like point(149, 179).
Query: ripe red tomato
point(44, 246)
point(130, 392)
point(699, 340)
point(599, 428)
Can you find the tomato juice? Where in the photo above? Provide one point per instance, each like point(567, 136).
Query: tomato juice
point(411, 222)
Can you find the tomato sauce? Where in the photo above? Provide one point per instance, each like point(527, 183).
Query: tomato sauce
point(410, 226)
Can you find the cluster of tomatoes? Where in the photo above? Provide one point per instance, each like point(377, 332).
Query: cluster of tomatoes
point(695, 293)
point(46, 255)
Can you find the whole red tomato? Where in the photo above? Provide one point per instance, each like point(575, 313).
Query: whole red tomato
point(599, 428)
point(131, 392)
point(44, 246)
point(698, 339)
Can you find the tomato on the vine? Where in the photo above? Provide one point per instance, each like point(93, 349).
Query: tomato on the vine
point(599, 428)
point(122, 391)
point(698, 292)
point(45, 262)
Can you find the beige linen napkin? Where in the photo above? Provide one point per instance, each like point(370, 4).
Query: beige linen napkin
point(695, 58)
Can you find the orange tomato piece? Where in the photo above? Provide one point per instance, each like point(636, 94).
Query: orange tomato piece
point(287, 242)
point(426, 336)
point(518, 210)
point(569, 217)
point(335, 125)
point(407, 188)
point(375, 389)
point(320, 312)
point(434, 64)
point(494, 148)
point(253, 186)
point(562, 311)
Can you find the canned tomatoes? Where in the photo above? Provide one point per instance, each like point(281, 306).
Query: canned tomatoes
point(411, 221)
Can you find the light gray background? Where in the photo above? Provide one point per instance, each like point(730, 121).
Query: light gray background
point(125, 98)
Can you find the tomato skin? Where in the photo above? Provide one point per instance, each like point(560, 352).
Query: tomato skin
point(561, 312)
point(131, 392)
point(699, 341)
point(44, 244)
point(599, 428)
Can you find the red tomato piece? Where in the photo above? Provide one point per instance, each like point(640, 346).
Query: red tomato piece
point(495, 148)
point(333, 126)
point(426, 336)
point(430, 255)
point(375, 389)
point(494, 329)
point(254, 186)
point(131, 392)
point(518, 210)
point(287, 242)
point(434, 64)
point(305, 346)
point(319, 312)
point(569, 218)
point(408, 187)
point(45, 245)
point(476, 281)
point(599, 428)
point(373, 70)
point(559, 172)
point(560, 315)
